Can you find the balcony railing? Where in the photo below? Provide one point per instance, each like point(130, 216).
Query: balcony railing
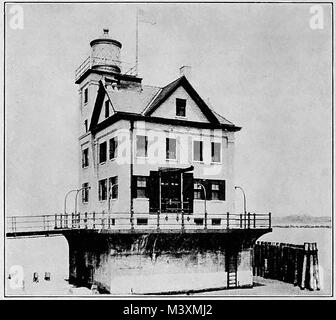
point(121, 222)
point(89, 62)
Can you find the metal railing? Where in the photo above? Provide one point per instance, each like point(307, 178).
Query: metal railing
point(119, 222)
point(89, 62)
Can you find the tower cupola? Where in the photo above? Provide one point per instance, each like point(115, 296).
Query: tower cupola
point(105, 53)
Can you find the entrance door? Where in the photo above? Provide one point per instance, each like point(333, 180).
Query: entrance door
point(171, 192)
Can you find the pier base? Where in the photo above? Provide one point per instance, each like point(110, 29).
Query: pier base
point(161, 263)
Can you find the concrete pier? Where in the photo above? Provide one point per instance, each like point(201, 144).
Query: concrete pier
point(153, 263)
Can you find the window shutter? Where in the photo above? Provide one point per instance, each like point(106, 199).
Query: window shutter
point(153, 191)
point(147, 187)
point(188, 189)
point(222, 190)
point(134, 186)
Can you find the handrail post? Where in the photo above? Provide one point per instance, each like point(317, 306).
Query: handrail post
point(248, 221)
point(269, 220)
point(254, 220)
point(102, 219)
point(56, 221)
point(228, 220)
point(14, 224)
point(131, 220)
point(78, 221)
point(85, 220)
point(158, 220)
point(241, 221)
point(72, 220)
point(182, 220)
point(94, 219)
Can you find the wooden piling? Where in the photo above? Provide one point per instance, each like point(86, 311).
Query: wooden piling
point(295, 271)
point(304, 266)
point(316, 268)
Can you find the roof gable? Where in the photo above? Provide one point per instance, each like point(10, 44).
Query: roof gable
point(168, 90)
point(167, 109)
point(143, 101)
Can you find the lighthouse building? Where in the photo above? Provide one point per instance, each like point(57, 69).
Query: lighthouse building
point(147, 149)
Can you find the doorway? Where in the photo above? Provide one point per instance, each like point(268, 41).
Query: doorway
point(171, 192)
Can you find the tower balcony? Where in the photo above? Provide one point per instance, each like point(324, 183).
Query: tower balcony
point(104, 64)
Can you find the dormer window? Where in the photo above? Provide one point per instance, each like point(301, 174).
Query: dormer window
point(107, 109)
point(86, 95)
point(181, 107)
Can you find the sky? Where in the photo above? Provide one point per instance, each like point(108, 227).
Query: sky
point(261, 65)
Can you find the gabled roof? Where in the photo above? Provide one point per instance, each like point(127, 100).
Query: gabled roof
point(139, 102)
point(168, 90)
point(131, 100)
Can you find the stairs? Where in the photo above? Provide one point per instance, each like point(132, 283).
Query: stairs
point(231, 268)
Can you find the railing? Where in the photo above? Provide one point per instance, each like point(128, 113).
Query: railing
point(178, 221)
point(92, 61)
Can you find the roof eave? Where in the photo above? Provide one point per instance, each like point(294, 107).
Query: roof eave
point(134, 116)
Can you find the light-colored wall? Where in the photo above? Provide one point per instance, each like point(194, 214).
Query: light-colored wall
point(156, 158)
point(168, 108)
point(157, 134)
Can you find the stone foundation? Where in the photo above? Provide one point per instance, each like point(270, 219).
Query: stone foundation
point(156, 263)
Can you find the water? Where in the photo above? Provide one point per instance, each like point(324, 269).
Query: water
point(50, 254)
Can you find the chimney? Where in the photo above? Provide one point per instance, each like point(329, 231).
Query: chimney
point(185, 71)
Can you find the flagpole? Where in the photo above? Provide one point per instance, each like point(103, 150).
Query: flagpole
point(137, 43)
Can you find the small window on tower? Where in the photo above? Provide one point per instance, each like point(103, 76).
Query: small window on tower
point(86, 126)
point(86, 95)
point(85, 192)
point(102, 152)
point(107, 109)
point(181, 107)
point(85, 158)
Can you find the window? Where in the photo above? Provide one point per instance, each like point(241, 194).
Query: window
point(102, 152)
point(102, 189)
point(214, 190)
point(86, 126)
point(142, 221)
point(85, 192)
point(198, 150)
point(85, 158)
point(141, 185)
point(198, 190)
point(107, 109)
point(198, 221)
point(215, 152)
point(86, 95)
point(216, 222)
point(113, 187)
point(170, 148)
point(141, 146)
point(181, 107)
point(113, 148)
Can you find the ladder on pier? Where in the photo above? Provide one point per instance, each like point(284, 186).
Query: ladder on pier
point(231, 268)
